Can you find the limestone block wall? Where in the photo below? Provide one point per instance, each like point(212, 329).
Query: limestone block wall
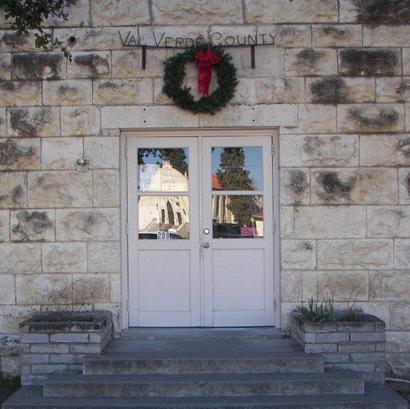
point(336, 83)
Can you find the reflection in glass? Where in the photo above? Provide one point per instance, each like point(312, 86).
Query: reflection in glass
point(166, 214)
point(163, 170)
point(237, 168)
point(236, 216)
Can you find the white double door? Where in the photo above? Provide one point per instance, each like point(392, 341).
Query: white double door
point(200, 231)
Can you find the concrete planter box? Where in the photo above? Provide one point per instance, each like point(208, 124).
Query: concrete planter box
point(57, 342)
point(358, 344)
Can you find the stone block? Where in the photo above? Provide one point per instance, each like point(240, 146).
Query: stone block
point(36, 358)
point(5, 66)
point(60, 189)
point(3, 122)
point(69, 338)
point(88, 289)
point(335, 358)
point(386, 35)
point(87, 224)
point(330, 337)
point(185, 12)
point(85, 348)
point(392, 221)
point(78, 15)
point(39, 66)
point(7, 289)
point(355, 254)
point(4, 225)
point(106, 188)
point(310, 61)
point(13, 41)
point(357, 347)
point(287, 229)
point(32, 225)
point(83, 120)
point(291, 286)
point(20, 258)
point(404, 186)
point(402, 253)
point(289, 36)
point(407, 114)
point(406, 61)
point(354, 186)
point(61, 153)
point(102, 152)
point(13, 188)
point(320, 348)
point(48, 369)
point(368, 337)
point(298, 254)
point(369, 62)
point(371, 118)
point(67, 92)
point(104, 257)
point(400, 315)
point(339, 285)
point(316, 222)
point(49, 349)
point(367, 357)
point(295, 186)
point(66, 358)
point(319, 150)
point(64, 258)
point(19, 154)
point(20, 93)
point(43, 289)
point(34, 339)
point(181, 36)
point(336, 90)
point(274, 90)
point(299, 11)
point(34, 121)
point(393, 89)
point(116, 13)
point(337, 35)
point(89, 65)
point(123, 92)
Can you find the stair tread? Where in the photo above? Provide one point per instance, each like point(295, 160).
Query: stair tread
point(376, 395)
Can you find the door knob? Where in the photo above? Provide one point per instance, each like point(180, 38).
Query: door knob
point(205, 244)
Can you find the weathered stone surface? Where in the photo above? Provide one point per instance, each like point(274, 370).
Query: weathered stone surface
point(115, 288)
point(13, 190)
point(319, 150)
point(44, 289)
point(106, 188)
point(67, 92)
point(289, 35)
point(389, 285)
point(402, 253)
point(355, 254)
point(3, 122)
point(89, 65)
point(391, 221)
point(385, 150)
point(50, 66)
point(60, 189)
point(104, 257)
point(7, 289)
point(119, 12)
point(102, 152)
point(87, 225)
point(395, 89)
point(19, 154)
point(273, 90)
point(336, 90)
point(183, 12)
point(91, 288)
point(35, 121)
point(337, 285)
point(298, 254)
point(310, 61)
point(83, 120)
point(32, 225)
point(291, 286)
point(13, 41)
point(4, 225)
point(406, 61)
point(287, 221)
point(369, 62)
point(354, 186)
point(299, 11)
point(5, 66)
point(400, 315)
point(316, 222)
point(332, 35)
point(127, 64)
point(386, 35)
point(64, 257)
point(61, 153)
point(15, 93)
point(295, 186)
point(407, 114)
point(182, 36)
point(20, 258)
point(123, 92)
point(371, 118)
point(404, 186)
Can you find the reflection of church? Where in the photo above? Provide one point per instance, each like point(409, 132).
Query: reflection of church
point(163, 213)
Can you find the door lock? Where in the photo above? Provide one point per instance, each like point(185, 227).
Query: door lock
point(205, 244)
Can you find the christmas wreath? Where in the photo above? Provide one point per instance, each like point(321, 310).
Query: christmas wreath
point(206, 58)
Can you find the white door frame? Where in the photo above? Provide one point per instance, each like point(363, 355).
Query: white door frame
point(173, 133)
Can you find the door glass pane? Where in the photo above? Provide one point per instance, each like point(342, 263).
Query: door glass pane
point(163, 170)
point(236, 216)
point(237, 168)
point(163, 217)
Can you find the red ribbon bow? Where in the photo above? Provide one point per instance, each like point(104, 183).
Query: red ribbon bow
point(205, 60)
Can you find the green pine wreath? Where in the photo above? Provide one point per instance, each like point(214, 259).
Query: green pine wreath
point(175, 73)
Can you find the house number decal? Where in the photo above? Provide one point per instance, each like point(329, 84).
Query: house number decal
point(163, 235)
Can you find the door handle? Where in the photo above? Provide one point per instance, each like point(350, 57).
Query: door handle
point(206, 245)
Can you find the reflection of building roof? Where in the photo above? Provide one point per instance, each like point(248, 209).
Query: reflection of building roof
point(216, 183)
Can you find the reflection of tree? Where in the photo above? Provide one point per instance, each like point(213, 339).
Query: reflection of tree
point(233, 176)
point(176, 156)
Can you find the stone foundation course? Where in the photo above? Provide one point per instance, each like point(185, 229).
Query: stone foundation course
point(57, 342)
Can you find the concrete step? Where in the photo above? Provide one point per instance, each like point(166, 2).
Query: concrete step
point(131, 364)
point(184, 385)
point(375, 397)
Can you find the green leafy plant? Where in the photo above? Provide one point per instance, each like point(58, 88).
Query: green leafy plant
point(31, 14)
point(321, 311)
